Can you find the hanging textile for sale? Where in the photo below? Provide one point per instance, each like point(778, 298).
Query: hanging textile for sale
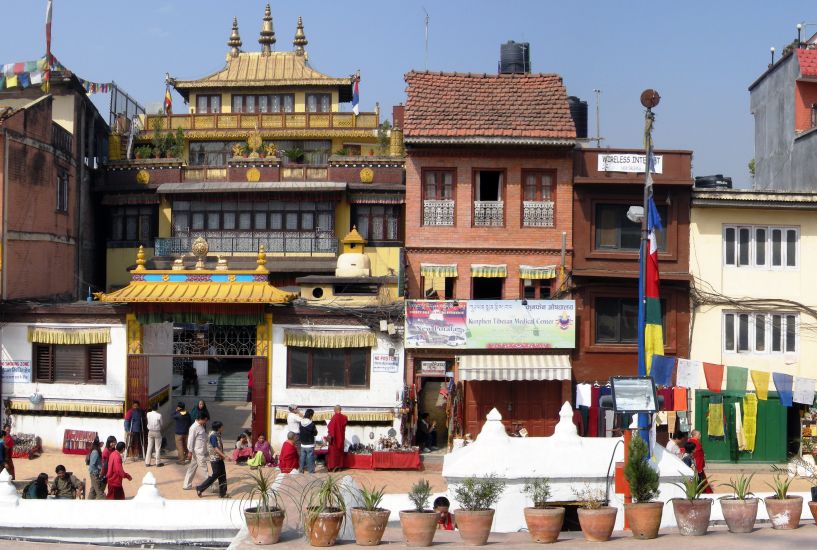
point(683, 421)
point(783, 383)
point(661, 370)
point(736, 378)
point(750, 421)
point(714, 377)
point(688, 373)
point(593, 416)
point(672, 420)
point(761, 381)
point(679, 399)
point(666, 393)
point(583, 395)
point(653, 424)
point(715, 417)
point(804, 390)
point(741, 439)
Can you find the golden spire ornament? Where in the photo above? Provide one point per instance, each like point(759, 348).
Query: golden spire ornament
point(267, 38)
point(235, 40)
point(300, 38)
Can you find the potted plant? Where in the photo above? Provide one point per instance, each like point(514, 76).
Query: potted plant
point(784, 511)
point(178, 144)
point(295, 155)
point(692, 513)
point(476, 496)
point(157, 140)
point(740, 510)
point(544, 522)
point(142, 152)
point(807, 471)
point(324, 511)
point(419, 524)
point(643, 514)
point(369, 520)
point(595, 517)
point(168, 143)
point(260, 501)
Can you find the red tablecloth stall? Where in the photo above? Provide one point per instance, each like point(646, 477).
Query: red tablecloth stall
point(382, 460)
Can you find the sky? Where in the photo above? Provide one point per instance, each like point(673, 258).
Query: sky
point(700, 56)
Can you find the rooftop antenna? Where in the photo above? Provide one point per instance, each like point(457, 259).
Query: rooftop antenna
point(772, 52)
point(598, 137)
point(426, 50)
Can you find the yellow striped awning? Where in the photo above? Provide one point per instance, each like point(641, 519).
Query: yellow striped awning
point(198, 292)
point(41, 335)
point(489, 270)
point(385, 415)
point(67, 407)
point(438, 270)
point(330, 339)
point(540, 272)
point(514, 367)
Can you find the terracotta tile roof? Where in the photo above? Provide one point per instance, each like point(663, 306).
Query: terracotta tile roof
point(808, 62)
point(478, 107)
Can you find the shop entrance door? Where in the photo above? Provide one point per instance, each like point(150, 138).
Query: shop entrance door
point(530, 404)
point(432, 402)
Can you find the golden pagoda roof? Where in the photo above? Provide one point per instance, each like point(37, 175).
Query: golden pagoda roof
point(252, 69)
point(214, 291)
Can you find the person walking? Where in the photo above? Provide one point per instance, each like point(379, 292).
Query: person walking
point(199, 409)
point(336, 440)
point(117, 473)
point(8, 444)
point(110, 447)
point(154, 425)
point(249, 385)
point(94, 461)
point(182, 421)
point(308, 432)
point(135, 429)
point(215, 448)
point(698, 458)
point(197, 450)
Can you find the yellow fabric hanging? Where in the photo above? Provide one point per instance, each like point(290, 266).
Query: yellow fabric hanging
point(329, 339)
point(761, 381)
point(750, 421)
point(69, 336)
point(715, 420)
point(739, 435)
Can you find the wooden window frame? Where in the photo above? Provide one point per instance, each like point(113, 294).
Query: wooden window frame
point(438, 185)
point(126, 212)
point(669, 312)
point(101, 349)
point(209, 110)
point(538, 285)
point(347, 365)
point(396, 210)
point(768, 260)
point(62, 192)
point(668, 245)
point(318, 97)
point(783, 318)
point(502, 194)
point(539, 186)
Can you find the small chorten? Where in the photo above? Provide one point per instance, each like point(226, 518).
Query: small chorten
point(300, 38)
point(262, 260)
point(353, 262)
point(267, 38)
point(351, 241)
point(140, 259)
point(235, 40)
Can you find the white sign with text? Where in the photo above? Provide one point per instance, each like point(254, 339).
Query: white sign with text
point(628, 162)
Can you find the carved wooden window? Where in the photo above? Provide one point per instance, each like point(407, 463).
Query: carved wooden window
point(70, 364)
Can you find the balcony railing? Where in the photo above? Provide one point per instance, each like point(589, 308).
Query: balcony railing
point(304, 173)
point(489, 213)
point(438, 212)
point(537, 213)
point(264, 121)
point(231, 242)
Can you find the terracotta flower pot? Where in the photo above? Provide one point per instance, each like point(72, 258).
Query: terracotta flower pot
point(545, 524)
point(323, 530)
point(418, 527)
point(474, 526)
point(644, 518)
point(369, 525)
point(264, 527)
point(692, 516)
point(739, 514)
point(784, 513)
point(597, 524)
point(812, 505)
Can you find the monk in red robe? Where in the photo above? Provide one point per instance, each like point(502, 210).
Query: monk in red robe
point(337, 439)
point(288, 460)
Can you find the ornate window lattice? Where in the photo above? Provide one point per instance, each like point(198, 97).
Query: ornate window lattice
point(215, 340)
point(537, 213)
point(489, 213)
point(438, 212)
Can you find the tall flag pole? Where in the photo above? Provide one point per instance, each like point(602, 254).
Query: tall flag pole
point(356, 95)
point(47, 74)
point(168, 98)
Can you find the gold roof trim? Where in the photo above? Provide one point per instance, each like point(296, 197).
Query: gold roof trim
point(250, 69)
point(195, 292)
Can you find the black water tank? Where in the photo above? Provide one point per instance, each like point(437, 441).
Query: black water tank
point(578, 112)
point(514, 57)
point(718, 181)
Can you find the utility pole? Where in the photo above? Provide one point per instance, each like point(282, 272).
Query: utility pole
point(598, 118)
point(425, 62)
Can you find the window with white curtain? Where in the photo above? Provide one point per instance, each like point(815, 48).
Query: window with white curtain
point(761, 332)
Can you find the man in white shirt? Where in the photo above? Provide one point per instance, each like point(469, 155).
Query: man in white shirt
point(676, 444)
point(294, 417)
point(154, 425)
point(197, 450)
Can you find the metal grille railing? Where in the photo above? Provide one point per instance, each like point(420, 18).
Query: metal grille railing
point(489, 213)
point(537, 213)
point(438, 212)
point(301, 242)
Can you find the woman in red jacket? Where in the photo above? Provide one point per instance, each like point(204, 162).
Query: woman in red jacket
point(116, 473)
point(288, 460)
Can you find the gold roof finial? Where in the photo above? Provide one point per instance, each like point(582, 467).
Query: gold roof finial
point(262, 259)
point(235, 40)
point(140, 259)
point(300, 38)
point(267, 38)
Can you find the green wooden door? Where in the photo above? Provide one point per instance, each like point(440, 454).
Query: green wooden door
point(770, 442)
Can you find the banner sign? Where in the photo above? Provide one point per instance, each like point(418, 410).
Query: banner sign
point(432, 367)
point(16, 371)
point(383, 362)
point(628, 162)
point(490, 324)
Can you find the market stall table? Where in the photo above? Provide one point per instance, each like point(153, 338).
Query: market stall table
point(358, 461)
point(396, 460)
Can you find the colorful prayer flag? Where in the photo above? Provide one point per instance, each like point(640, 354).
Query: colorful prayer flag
point(36, 77)
point(356, 97)
point(653, 331)
point(168, 101)
point(783, 383)
point(750, 421)
point(736, 378)
point(761, 381)
point(804, 390)
point(688, 373)
point(47, 75)
point(714, 377)
point(24, 80)
point(11, 81)
point(661, 370)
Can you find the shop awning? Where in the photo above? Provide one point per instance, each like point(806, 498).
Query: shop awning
point(489, 270)
point(330, 339)
point(40, 335)
point(438, 270)
point(381, 415)
point(537, 272)
point(514, 367)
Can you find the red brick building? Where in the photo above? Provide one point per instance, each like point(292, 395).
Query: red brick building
point(489, 167)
